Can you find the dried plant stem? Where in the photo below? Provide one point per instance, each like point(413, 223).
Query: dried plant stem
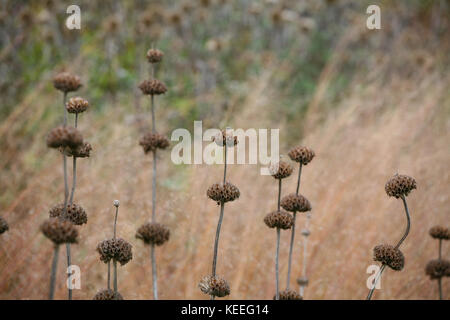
point(154, 275)
point(115, 222)
point(277, 296)
point(440, 249)
point(69, 263)
point(64, 107)
point(305, 248)
point(440, 279)
point(74, 179)
point(115, 276)
point(109, 275)
point(153, 113)
point(383, 266)
point(225, 164)
point(53, 274)
point(291, 245)
point(154, 188)
point(279, 194)
point(76, 120)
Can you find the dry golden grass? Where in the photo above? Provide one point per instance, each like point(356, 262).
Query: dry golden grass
point(387, 123)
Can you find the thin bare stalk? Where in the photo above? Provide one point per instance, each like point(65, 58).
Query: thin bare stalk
point(377, 278)
point(279, 194)
point(53, 274)
point(154, 188)
point(440, 249)
point(76, 120)
point(216, 243)
point(74, 179)
point(225, 164)
point(69, 263)
point(153, 113)
point(115, 276)
point(299, 177)
point(305, 247)
point(115, 222)
point(440, 287)
point(408, 223)
point(109, 275)
point(64, 107)
point(154, 275)
point(277, 296)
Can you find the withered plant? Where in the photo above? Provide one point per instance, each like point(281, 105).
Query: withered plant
point(439, 268)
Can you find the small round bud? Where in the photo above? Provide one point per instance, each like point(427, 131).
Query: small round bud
point(280, 170)
point(116, 203)
point(66, 82)
point(77, 105)
point(152, 87)
point(154, 55)
point(226, 136)
point(302, 155)
point(152, 141)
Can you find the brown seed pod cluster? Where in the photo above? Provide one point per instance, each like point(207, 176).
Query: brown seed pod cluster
point(279, 219)
point(107, 294)
point(302, 281)
point(437, 269)
point(152, 141)
point(222, 193)
point(295, 202)
point(64, 136)
point(66, 82)
point(439, 232)
point(390, 256)
point(154, 55)
point(400, 185)
point(77, 105)
point(115, 249)
point(74, 213)
point(288, 294)
point(153, 233)
point(280, 170)
point(152, 87)
point(302, 155)
point(82, 151)
point(227, 137)
point(3, 225)
point(59, 231)
point(214, 286)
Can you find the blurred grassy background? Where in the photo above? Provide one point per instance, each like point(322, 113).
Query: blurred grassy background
point(370, 103)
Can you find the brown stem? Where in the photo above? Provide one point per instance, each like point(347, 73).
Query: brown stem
point(53, 272)
point(154, 275)
point(154, 188)
point(377, 277)
point(279, 194)
point(408, 223)
point(277, 254)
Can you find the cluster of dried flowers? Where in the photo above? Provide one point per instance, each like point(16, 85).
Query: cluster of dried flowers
point(153, 233)
point(214, 285)
point(399, 186)
point(60, 227)
point(284, 220)
point(439, 268)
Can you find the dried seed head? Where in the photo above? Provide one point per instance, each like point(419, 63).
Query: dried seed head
point(154, 55)
point(288, 294)
point(226, 136)
point(295, 202)
point(438, 232)
point(66, 82)
point(64, 137)
point(77, 105)
point(152, 141)
point(81, 151)
point(214, 286)
point(437, 269)
point(59, 231)
point(303, 281)
point(390, 256)
point(3, 225)
point(400, 185)
point(152, 87)
point(279, 219)
point(280, 170)
point(222, 193)
point(153, 233)
point(115, 249)
point(107, 294)
point(74, 213)
point(302, 155)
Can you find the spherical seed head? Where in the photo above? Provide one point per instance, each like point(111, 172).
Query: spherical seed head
point(279, 219)
point(115, 249)
point(3, 225)
point(116, 203)
point(390, 256)
point(214, 286)
point(107, 294)
point(302, 155)
point(74, 213)
point(64, 136)
point(153, 233)
point(77, 105)
point(280, 170)
point(66, 82)
point(288, 294)
point(152, 87)
point(400, 185)
point(226, 136)
point(295, 202)
point(152, 141)
point(154, 55)
point(222, 193)
point(59, 231)
point(81, 151)
point(303, 281)
point(437, 269)
point(438, 232)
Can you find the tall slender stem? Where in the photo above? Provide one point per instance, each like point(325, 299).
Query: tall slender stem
point(277, 295)
point(305, 247)
point(408, 223)
point(115, 277)
point(440, 287)
point(53, 274)
point(153, 113)
point(65, 109)
point(154, 275)
point(76, 120)
point(440, 249)
point(69, 263)
point(109, 275)
point(377, 278)
point(115, 222)
point(74, 179)
point(279, 194)
point(299, 177)
point(225, 163)
point(154, 188)
point(216, 243)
